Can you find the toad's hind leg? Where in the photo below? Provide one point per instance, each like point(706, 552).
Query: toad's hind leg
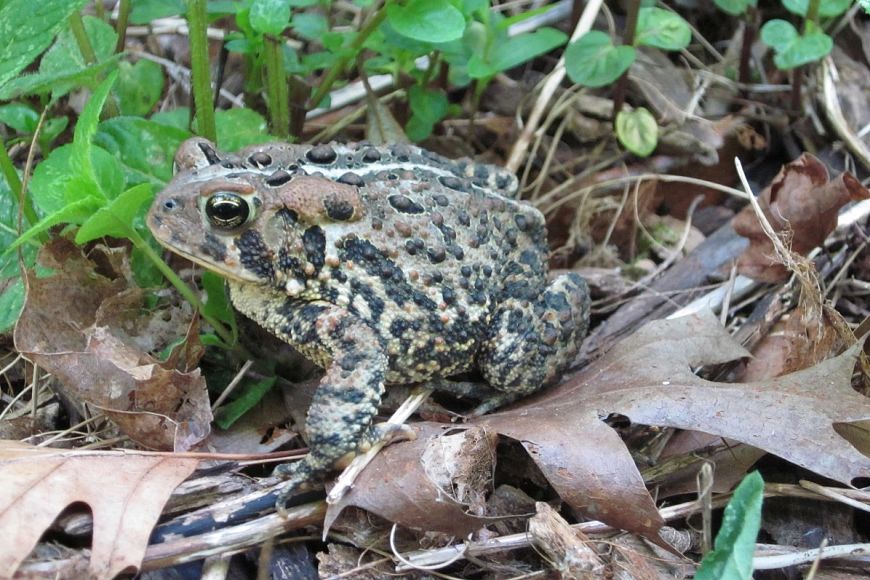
point(531, 342)
point(348, 395)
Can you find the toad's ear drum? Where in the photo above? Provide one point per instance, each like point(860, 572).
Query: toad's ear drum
point(320, 200)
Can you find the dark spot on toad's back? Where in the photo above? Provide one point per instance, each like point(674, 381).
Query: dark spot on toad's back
point(321, 154)
point(405, 204)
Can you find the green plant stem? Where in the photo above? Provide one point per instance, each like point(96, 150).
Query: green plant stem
point(338, 69)
point(627, 40)
point(812, 15)
point(276, 87)
point(124, 8)
point(77, 27)
point(8, 169)
point(199, 68)
point(179, 285)
point(750, 29)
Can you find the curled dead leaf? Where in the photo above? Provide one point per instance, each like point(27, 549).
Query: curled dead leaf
point(800, 201)
point(61, 328)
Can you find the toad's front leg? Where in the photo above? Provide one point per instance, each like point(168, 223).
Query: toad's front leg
point(348, 395)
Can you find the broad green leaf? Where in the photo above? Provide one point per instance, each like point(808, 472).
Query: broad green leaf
point(515, 51)
point(250, 394)
point(178, 118)
point(806, 49)
point(793, 49)
point(11, 284)
point(117, 218)
point(27, 28)
point(310, 25)
point(64, 56)
point(21, 118)
point(735, 542)
point(139, 87)
point(11, 302)
point(270, 16)
point(217, 302)
point(662, 29)
point(778, 34)
point(427, 20)
point(427, 107)
point(237, 128)
point(593, 61)
point(144, 148)
point(638, 131)
point(56, 182)
point(827, 8)
point(41, 83)
point(74, 213)
point(144, 11)
point(735, 7)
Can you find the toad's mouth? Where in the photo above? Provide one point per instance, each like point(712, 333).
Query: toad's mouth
point(228, 268)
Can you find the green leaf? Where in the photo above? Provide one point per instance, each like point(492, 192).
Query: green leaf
point(117, 218)
point(217, 302)
point(64, 56)
point(593, 61)
point(735, 7)
point(144, 11)
point(237, 128)
point(778, 34)
point(270, 16)
point(144, 148)
point(310, 25)
point(19, 117)
point(638, 131)
point(56, 82)
point(139, 87)
point(11, 302)
point(827, 8)
point(793, 49)
point(251, 394)
point(662, 29)
point(515, 51)
point(428, 107)
point(74, 213)
point(427, 20)
point(178, 118)
point(735, 542)
point(86, 127)
point(27, 28)
point(57, 182)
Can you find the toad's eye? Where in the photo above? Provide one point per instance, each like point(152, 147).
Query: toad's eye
point(226, 210)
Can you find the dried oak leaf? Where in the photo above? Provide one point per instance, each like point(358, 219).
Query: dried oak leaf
point(801, 201)
point(82, 327)
point(648, 379)
point(126, 492)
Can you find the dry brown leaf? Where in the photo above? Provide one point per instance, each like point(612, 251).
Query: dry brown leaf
point(801, 201)
point(647, 378)
point(126, 492)
point(77, 324)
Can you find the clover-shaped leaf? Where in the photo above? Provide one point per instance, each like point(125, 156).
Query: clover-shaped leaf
point(735, 7)
point(792, 48)
point(593, 61)
point(827, 9)
point(638, 131)
point(662, 29)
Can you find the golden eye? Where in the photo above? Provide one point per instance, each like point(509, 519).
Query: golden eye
point(227, 210)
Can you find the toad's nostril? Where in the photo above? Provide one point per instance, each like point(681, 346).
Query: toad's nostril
point(170, 204)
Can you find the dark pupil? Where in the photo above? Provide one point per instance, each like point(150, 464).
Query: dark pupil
point(226, 210)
